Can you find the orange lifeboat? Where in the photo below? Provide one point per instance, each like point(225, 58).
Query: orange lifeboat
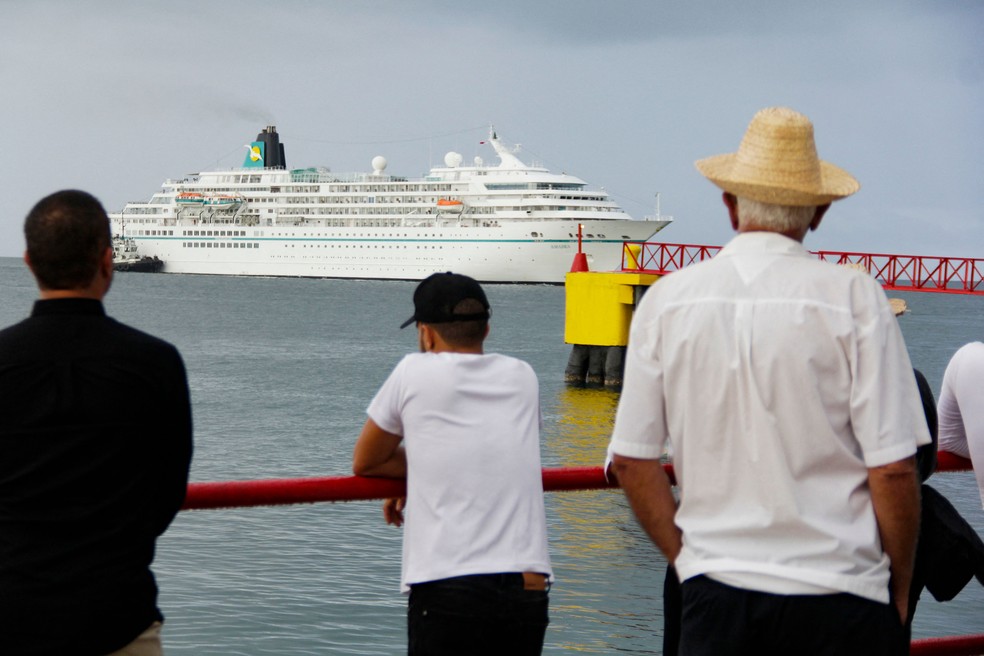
point(449, 205)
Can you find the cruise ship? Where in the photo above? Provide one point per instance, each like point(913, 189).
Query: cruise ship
point(502, 222)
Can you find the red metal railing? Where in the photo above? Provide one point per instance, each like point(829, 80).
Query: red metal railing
point(968, 645)
point(286, 491)
point(660, 259)
point(917, 273)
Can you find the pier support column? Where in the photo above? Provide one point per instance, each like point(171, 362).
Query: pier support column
point(595, 366)
point(577, 365)
point(614, 366)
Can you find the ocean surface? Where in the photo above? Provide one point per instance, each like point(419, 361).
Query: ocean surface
point(281, 371)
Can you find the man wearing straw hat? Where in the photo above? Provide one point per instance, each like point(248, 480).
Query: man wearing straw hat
point(782, 387)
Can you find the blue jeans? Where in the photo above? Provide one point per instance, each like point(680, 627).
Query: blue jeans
point(477, 615)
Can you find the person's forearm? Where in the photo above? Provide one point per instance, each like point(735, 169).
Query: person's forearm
point(895, 497)
point(395, 466)
point(649, 493)
point(379, 453)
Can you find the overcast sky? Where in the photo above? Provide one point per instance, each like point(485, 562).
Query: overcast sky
point(114, 97)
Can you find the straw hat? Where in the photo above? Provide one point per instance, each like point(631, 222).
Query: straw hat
point(777, 163)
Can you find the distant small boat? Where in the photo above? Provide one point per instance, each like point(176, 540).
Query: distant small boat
point(126, 258)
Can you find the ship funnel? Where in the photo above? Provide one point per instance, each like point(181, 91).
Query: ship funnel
point(267, 151)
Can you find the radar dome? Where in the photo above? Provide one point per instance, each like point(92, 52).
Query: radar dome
point(452, 160)
point(378, 164)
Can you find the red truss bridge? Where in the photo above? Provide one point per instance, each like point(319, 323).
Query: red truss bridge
point(911, 273)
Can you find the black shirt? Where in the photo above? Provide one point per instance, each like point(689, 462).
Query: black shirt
point(95, 447)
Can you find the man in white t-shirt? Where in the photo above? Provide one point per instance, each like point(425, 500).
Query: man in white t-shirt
point(783, 385)
point(462, 427)
point(961, 408)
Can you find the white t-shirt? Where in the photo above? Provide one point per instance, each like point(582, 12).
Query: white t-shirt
point(471, 426)
point(961, 408)
point(779, 380)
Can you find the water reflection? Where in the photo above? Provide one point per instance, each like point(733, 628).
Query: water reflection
point(608, 596)
point(578, 425)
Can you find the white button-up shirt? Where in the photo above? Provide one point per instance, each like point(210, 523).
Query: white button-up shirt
point(777, 380)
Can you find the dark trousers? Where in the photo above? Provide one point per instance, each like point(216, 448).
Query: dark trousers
point(720, 620)
point(485, 614)
point(672, 603)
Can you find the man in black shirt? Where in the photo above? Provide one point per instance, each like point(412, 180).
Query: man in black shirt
point(95, 447)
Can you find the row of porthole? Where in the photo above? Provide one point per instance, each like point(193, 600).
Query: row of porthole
point(424, 246)
point(220, 244)
point(217, 233)
point(360, 236)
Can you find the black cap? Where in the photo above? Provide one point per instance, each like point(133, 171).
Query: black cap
point(436, 297)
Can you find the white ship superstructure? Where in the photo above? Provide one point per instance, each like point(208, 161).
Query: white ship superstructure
point(509, 222)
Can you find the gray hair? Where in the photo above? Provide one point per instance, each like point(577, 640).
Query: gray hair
point(776, 218)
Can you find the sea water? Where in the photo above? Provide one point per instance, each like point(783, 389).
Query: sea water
point(281, 371)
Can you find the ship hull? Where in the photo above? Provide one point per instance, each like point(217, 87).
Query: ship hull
point(523, 252)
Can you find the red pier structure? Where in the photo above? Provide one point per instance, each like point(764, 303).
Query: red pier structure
point(911, 273)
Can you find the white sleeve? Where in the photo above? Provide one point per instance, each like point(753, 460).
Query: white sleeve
point(961, 408)
point(640, 421)
point(953, 437)
point(386, 407)
point(886, 410)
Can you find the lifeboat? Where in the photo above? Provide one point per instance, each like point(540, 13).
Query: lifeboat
point(222, 200)
point(449, 205)
point(190, 198)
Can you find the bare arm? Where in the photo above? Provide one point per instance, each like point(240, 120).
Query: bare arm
point(379, 453)
point(649, 493)
point(895, 496)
